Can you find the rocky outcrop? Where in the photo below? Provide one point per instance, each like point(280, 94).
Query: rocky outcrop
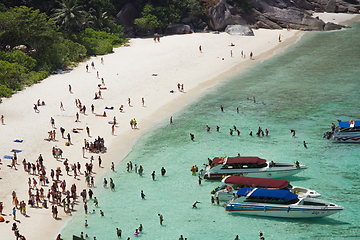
point(223, 14)
point(282, 13)
point(22, 48)
point(275, 14)
point(177, 29)
point(332, 26)
point(239, 30)
point(126, 17)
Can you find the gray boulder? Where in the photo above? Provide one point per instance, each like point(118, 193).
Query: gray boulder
point(126, 17)
point(332, 26)
point(177, 29)
point(239, 30)
point(223, 14)
point(305, 4)
point(331, 6)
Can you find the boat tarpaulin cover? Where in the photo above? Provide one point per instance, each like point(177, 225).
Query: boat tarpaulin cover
point(347, 124)
point(244, 160)
point(256, 182)
point(270, 193)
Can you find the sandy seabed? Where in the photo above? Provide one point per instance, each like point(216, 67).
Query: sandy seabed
point(144, 69)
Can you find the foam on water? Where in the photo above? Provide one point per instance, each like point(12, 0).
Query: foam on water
point(306, 88)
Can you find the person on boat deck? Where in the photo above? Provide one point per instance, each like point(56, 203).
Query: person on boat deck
point(272, 164)
point(297, 164)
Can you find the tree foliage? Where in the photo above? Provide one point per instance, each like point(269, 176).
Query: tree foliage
point(69, 15)
point(22, 25)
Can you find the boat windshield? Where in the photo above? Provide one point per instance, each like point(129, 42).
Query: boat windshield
point(354, 129)
point(242, 165)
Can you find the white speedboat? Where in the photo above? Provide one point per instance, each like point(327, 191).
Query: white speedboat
point(347, 132)
point(233, 183)
point(250, 167)
point(279, 203)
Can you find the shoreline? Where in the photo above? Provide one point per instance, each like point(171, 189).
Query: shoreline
point(160, 107)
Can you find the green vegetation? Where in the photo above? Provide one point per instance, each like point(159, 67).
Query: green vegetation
point(39, 36)
point(33, 43)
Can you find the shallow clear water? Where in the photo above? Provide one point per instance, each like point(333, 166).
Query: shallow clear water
point(306, 88)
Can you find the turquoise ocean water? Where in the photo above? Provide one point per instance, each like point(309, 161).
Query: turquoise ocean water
point(306, 88)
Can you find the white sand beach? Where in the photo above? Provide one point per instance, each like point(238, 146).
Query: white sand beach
point(144, 69)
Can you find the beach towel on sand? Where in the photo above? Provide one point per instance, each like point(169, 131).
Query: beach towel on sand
point(18, 141)
point(15, 150)
point(8, 157)
point(111, 108)
point(99, 115)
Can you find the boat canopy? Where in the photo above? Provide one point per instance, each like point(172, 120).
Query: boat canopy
point(256, 182)
point(268, 193)
point(245, 160)
point(347, 124)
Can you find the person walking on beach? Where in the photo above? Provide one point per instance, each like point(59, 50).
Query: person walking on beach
point(113, 129)
point(62, 106)
point(99, 160)
point(77, 117)
point(200, 180)
point(171, 120)
point(36, 109)
point(135, 123)
point(231, 54)
point(251, 55)
point(132, 123)
point(88, 131)
point(305, 146)
point(143, 102)
point(200, 49)
point(2, 119)
point(52, 121)
point(161, 218)
point(153, 175)
point(70, 89)
point(129, 101)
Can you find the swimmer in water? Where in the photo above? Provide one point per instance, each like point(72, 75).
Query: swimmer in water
point(192, 136)
point(194, 205)
point(142, 195)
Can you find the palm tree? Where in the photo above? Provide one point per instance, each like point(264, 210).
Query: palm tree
point(69, 15)
point(100, 20)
